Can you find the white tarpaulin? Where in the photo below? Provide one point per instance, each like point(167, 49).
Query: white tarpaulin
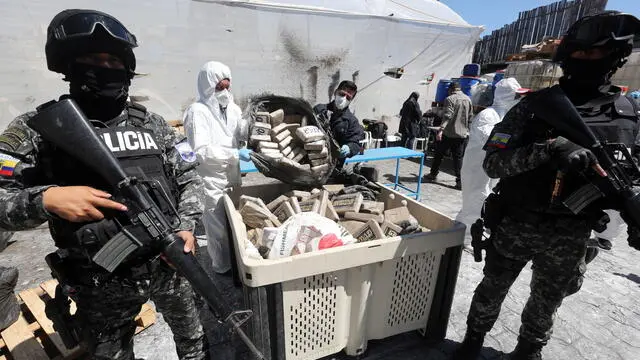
point(291, 48)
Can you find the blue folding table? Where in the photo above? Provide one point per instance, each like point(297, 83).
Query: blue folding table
point(374, 155)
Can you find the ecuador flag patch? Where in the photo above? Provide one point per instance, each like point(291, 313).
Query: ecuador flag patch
point(499, 140)
point(7, 164)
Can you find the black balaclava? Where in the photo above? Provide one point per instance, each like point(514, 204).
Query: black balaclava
point(585, 80)
point(100, 92)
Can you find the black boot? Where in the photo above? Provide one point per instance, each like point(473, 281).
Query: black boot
point(526, 350)
point(470, 347)
point(431, 177)
point(604, 244)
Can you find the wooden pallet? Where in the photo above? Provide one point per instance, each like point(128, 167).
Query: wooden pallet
point(32, 337)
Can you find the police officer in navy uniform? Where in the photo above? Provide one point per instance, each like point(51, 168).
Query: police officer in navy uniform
point(43, 184)
point(532, 222)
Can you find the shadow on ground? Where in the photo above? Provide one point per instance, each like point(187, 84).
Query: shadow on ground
point(412, 346)
point(390, 178)
point(633, 277)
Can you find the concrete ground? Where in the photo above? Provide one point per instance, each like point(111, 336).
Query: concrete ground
point(602, 321)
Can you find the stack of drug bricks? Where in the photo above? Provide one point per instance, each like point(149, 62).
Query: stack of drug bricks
point(32, 336)
point(283, 137)
point(366, 220)
point(177, 125)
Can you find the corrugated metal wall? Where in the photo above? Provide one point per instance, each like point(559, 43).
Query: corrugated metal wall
point(532, 26)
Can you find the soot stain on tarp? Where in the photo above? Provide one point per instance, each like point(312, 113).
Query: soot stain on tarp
point(335, 81)
point(299, 55)
point(296, 51)
point(293, 47)
point(312, 82)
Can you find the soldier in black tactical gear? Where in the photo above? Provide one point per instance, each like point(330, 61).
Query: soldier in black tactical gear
point(539, 169)
point(41, 183)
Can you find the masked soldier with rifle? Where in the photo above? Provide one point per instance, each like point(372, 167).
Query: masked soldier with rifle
point(43, 182)
point(561, 156)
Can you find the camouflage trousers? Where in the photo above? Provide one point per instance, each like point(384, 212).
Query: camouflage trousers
point(107, 313)
point(556, 246)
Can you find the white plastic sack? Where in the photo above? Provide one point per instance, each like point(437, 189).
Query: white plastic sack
point(251, 251)
point(306, 232)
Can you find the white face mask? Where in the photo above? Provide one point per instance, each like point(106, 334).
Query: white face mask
point(341, 102)
point(223, 97)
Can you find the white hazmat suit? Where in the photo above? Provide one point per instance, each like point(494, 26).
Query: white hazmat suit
point(214, 132)
point(476, 185)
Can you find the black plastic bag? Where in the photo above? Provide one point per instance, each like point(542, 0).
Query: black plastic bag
point(284, 170)
point(9, 308)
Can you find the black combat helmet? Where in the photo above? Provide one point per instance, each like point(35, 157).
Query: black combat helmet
point(76, 32)
point(608, 29)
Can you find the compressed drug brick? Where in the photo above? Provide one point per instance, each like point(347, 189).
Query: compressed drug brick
point(347, 203)
point(368, 232)
point(309, 133)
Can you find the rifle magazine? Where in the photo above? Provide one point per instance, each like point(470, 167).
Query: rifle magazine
point(115, 251)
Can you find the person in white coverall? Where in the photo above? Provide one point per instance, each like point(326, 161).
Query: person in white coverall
point(476, 185)
point(214, 128)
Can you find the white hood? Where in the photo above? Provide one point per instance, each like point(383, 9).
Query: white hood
point(504, 96)
point(210, 75)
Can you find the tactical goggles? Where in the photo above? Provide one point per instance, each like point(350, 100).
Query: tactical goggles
point(598, 30)
point(85, 24)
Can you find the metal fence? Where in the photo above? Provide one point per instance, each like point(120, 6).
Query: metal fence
point(533, 26)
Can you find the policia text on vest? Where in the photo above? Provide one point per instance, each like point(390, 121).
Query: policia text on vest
point(73, 133)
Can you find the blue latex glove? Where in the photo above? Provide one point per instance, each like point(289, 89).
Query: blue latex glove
point(244, 154)
point(344, 151)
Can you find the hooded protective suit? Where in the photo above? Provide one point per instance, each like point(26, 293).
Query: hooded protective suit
point(476, 185)
point(214, 133)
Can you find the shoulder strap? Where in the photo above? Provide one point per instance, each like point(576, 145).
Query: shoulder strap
point(137, 113)
point(636, 106)
point(625, 107)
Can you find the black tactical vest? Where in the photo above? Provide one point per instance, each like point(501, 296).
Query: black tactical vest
point(615, 123)
point(140, 153)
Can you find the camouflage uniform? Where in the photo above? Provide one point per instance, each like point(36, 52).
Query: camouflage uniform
point(107, 304)
point(553, 239)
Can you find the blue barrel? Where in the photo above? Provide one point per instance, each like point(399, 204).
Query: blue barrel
point(466, 83)
point(499, 76)
point(443, 90)
point(471, 70)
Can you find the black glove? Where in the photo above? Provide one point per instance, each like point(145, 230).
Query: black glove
point(571, 156)
point(634, 237)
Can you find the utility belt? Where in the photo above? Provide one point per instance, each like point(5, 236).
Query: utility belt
point(75, 270)
point(495, 209)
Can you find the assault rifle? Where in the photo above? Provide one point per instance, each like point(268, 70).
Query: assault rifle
point(64, 125)
point(553, 107)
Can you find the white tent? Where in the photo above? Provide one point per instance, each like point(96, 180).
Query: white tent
point(287, 47)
